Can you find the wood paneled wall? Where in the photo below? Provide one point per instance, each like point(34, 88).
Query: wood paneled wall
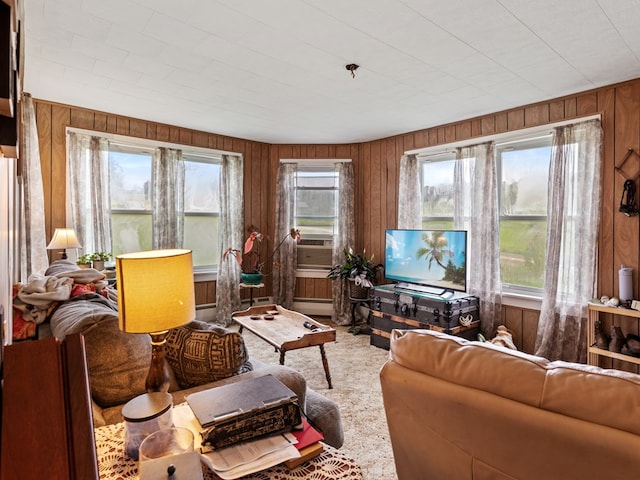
point(52, 119)
point(376, 167)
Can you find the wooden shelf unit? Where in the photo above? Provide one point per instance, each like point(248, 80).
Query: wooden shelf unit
point(593, 352)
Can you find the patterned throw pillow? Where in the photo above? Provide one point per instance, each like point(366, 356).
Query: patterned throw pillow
point(200, 353)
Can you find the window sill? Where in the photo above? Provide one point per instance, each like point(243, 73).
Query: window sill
point(212, 275)
point(312, 273)
point(521, 301)
point(209, 275)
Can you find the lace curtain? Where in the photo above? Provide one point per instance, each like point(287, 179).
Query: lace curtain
point(230, 235)
point(572, 235)
point(285, 259)
point(476, 210)
point(88, 195)
point(167, 183)
point(409, 195)
point(33, 241)
point(344, 238)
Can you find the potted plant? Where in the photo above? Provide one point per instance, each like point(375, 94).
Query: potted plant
point(84, 261)
point(250, 258)
point(98, 259)
point(358, 269)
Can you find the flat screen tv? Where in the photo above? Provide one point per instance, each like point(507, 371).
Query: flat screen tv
point(431, 261)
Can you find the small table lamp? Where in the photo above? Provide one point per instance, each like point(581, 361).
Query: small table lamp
point(155, 294)
point(64, 238)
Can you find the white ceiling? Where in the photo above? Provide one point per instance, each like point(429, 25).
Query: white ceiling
point(274, 71)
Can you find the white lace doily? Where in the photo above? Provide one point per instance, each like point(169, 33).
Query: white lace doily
point(113, 464)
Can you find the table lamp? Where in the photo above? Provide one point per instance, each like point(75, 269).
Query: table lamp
point(155, 294)
point(64, 238)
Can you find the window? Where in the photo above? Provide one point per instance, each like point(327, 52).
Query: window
point(129, 184)
point(523, 174)
point(315, 214)
point(523, 168)
point(437, 192)
point(316, 190)
point(202, 209)
point(131, 203)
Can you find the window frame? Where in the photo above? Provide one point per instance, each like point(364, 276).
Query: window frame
point(500, 147)
point(317, 168)
point(142, 145)
point(535, 141)
point(525, 297)
point(307, 163)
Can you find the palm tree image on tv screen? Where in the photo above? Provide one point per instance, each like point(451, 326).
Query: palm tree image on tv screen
point(437, 250)
point(427, 257)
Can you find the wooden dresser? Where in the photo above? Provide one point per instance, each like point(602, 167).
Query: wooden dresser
point(47, 425)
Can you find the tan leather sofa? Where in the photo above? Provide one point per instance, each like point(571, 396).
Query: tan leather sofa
point(458, 409)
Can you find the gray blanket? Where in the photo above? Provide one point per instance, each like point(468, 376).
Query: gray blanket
point(80, 313)
point(40, 294)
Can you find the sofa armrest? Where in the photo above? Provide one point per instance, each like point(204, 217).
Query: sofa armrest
point(324, 413)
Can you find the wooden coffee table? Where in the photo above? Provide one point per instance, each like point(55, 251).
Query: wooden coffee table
point(285, 330)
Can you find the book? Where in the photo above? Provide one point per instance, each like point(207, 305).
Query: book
point(245, 410)
point(306, 453)
point(308, 435)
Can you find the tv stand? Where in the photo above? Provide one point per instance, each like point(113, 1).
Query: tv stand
point(392, 306)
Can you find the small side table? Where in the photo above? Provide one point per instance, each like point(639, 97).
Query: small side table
point(251, 287)
point(354, 303)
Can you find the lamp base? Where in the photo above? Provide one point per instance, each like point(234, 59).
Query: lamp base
point(158, 378)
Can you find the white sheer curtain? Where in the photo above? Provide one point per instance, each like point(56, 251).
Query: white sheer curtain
point(476, 210)
point(285, 259)
point(33, 241)
point(572, 236)
point(409, 194)
point(167, 181)
point(230, 235)
point(343, 238)
point(88, 195)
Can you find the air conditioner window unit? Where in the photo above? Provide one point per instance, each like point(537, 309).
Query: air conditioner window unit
point(314, 253)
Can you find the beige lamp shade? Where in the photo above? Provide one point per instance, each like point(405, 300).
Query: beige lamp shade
point(64, 238)
point(155, 290)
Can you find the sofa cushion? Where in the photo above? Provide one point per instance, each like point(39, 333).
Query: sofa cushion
point(479, 365)
point(570, 384)
point(117, 362)
point(200, 353)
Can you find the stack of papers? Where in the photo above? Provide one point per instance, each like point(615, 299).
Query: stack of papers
point(244, 458)
point(240, 459)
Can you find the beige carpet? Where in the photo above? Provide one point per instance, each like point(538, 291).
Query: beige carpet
point(354, 366)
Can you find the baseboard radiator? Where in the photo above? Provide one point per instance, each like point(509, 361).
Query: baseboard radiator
point(309, 306)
